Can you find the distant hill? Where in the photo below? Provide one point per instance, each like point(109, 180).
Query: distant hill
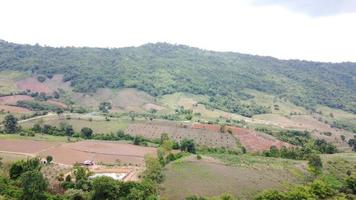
point(163, 68)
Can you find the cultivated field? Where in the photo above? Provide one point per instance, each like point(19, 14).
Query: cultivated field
point(8, 81)
point(122, 100)
point(77, 152)
point(97, 124)
point(99, 152)
point(179, 131)
point(242, 176)
point(48, 86)
point(250, 139)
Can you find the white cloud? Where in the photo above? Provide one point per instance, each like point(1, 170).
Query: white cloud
point(224, 25)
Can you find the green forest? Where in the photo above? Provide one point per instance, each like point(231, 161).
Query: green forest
point(163, 68)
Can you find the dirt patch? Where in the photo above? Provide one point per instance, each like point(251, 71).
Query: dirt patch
point(48, 86)
point(99, 152)
point(250, 139)
point(57, 103)
point(12, 100)
point(127, 99)
point(13, 109)
point(26, 146)
point(179, 131)
point(33, 84)
point(149, 106)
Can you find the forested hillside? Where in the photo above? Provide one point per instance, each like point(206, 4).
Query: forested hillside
point(164, 68)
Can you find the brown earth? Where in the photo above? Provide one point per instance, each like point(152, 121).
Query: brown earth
point(26, 146)
point(12, 100)
point(99, 152)
point(13, 109)
point(57, 103)
point(48, 86)
point(77, 152)
point(177, 132)
point(127, 99)
point(33, 84)
point(250, 139)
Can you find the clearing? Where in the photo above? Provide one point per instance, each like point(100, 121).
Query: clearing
point(242, 176)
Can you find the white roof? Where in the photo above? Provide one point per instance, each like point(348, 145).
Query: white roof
point(115, 176)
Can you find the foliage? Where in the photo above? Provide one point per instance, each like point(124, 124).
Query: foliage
point(153, 171)
point(38, 105)
point(105, 188)
point(187, 145)
point(20, 167)
point(315, 163)
point(105, 107)
point(164, 69)
point(41, 78)
point(33, 184)
point(49, 159)
point(10, 124)
point(318, 189)
point(86, 132)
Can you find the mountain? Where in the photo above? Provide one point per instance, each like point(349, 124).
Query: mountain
point(163, 68)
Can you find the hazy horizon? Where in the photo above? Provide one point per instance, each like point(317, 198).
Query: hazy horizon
point(304, 30)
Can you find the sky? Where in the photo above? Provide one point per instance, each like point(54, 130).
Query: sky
point(318, 30)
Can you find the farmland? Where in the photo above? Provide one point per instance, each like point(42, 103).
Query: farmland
point(250, 139)
point(97, 123)
point(243, 177)
point(99, 152)
point(181, 131)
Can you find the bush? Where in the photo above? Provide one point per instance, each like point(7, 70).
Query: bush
point(41, 78)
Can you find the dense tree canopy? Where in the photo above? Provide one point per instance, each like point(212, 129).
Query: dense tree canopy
point(163, 68)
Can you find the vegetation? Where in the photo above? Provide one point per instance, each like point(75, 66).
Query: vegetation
point(38, 105)
point(10, 124)
point(164, 69)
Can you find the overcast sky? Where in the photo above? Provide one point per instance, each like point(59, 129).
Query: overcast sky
point(320, 30)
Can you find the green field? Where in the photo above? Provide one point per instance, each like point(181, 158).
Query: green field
point(39, 137)
point(98, 126)
point(242, 176)
point(8, 81)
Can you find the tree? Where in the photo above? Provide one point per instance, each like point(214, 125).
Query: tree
point(69, 130)
point(81, 178)
point(10, 124)
point(153, 170)
point(271, 195)
point(41, 78)
point(36, 128)
point(86, 132)
point(33, 184)
point(187, 145)
point(49, 159)
point(105, 107)
point(105, 188)
point(21, 166)
point(315, 163)
point(351, 183)
point(343, 138)
point(164, 137)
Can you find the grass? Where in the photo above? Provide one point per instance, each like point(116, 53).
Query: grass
point(98, 126)
point(338, 164)
point(10, 157)
point(285, 107)
point(8, 81)
point(242, 176)
point(189, 101)
point(38, 137)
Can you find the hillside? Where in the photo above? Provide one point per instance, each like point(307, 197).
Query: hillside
point(162, 68)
